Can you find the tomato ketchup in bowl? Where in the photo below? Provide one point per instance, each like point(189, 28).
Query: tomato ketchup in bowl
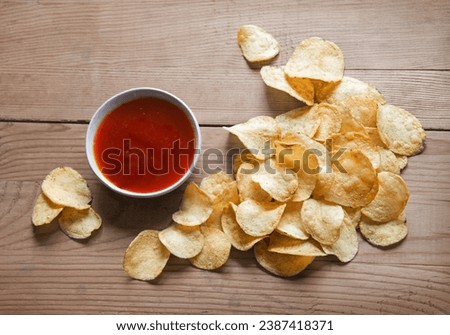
point(143, 142)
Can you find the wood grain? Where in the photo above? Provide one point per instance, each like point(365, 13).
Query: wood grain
point(43, 271)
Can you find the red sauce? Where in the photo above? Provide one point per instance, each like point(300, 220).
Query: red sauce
point(144, 145)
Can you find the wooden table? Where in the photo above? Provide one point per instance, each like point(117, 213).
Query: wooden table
point(59, 60)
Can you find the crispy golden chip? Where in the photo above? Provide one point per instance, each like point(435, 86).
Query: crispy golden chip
point(330, 122)
point(401, 131)
point(291, 223)
point(215, 184)
point(359, 98)
point(389, 161)
point(346, 246)
point(354, 178)
point(79, 224)
point(402, 161)
point(322, 220)
point(248, 189)
point(230, 194)
point(383, 234)
point(256, 44)
point(215, 252)
point(66, 187)
point(280, 264)
point(259, 218)
point(256, 133)
point(146, 256)
point(279, 182)
point(44, 211)
point(303, 120)
point(354, 214)
point(288, 245)
point(390, 199)
point(182, 241)
point(195, 208)
point(273, 76)
point(238, 238)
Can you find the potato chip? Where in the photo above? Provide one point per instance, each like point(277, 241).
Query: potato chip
point(389, 161)
point(66, 187)
point(279, 182)
point(330, 122)
point(229, 194)
point(354, 214)
point(359, 98)
point(79, 224)
point(303, 120)
point(182, 241)
point(291, 223)
point(248, 189)
point(400, 130)
point(195, 208)
point(346, 246)
point(288, 245)
point(146, 256)
point(322, 220)
point(215, 252)
point(256, 44)
point(215, 184)
point(354, 178)
point(280, 264)
point(390, 199)
point(259, 218)
point(238, 238)
point(44, 211)
point(256, 134)
point(383, 234)
point(273, 76)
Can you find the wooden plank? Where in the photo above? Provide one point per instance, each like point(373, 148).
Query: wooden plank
point(43, 271)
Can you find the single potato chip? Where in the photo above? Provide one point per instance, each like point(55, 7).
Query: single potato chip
point(303, 120)
point(322, 220)
point(216, 249)
point(280, 264)
point(256, 134)
point(215, 184)
point(248, 189)
point(401, 131)
point(273, 76)
point(229, 194)
point(346, 246)
point(259, 218)
point(256, 44)
point(66, 187)
point(287, 245)
point(291, 223)
point(390, 200)
point(79, 224)
point(44, 211)
point(238, 238)
point(330, 122)
point(384, 234)
point(182, 241)
point(195, 208)
point(145, 257)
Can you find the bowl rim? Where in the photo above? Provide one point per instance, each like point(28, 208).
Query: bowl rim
point(129, 95)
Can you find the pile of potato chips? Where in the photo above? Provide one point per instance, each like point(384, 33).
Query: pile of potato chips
point(307, 181)
point(65, 195)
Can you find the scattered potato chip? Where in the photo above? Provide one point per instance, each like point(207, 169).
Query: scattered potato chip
point(238, 238)
point(195, 208)
point(182, 241)
point(215, 184)
point(288, 245)
point(303, 120)
point(259, 218)
point(229, 194)
point(146, 256)
point(291, 223)
point(400, 130)
point(256, 133)
point(66, 187)
point(280, 264)
point(216, 249)
point(44, 211)
point(390, 200)
point(322, 220)
point(330, 123)
point(273, 76)
point(279, 182)
point(256, 44)
point(79, 224)
point(248, 189)
point(346, 246)
point(384, 234)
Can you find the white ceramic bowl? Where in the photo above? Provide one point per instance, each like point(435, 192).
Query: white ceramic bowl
point(124, 97)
